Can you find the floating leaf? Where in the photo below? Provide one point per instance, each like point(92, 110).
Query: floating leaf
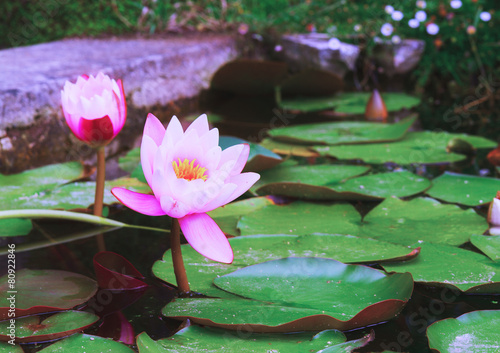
point(297, 294)
point(254, 249)
point(325, 182)
point(424, 147)
point(42, 291)
point(350, 102)
point(17, 189)
point(227, 216)
point(260, 158)
point(87, 344)
point(407, 222)
point(489, 245)
point(285, 148)
point(464, 189)
point(477, 331)
point(33, 329)
point(301, 218)
point(448, 266)
point(212, 340)
point(9, 348)
point(15, 226)
point(342, 132)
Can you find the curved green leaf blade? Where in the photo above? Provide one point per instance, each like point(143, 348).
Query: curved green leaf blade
point(301, 218)
point(87, 344)
point(254, 249)
point(282, 290)
point(9, 348)
point(448, 266)
point(212, 340)
point(489, 245)
point(424, 147)
point(477, 331)
point(15, 226)
point(46, 290)
point(407, 222)
point(33, 329)
point(468, 190)
point(350, 102)
point(342, 132)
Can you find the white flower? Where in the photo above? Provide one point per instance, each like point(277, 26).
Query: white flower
point(421, 4)
point(432, 29)
point(413, 23)
point(456, 4)
point(397, 15)
point(389, 9)
point(421, 16)
point(386, 29)
point(334, 44)
point(485, 16)
point(357, 28)
point(396, 39)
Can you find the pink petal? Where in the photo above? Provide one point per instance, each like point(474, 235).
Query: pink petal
point(244, 182)
point(238, 154)
point(148, 152)
point(200, 125)
point(205, 236)
point(142, 203)
point(174, 208)
point(154, 129)
point(223, 197)
point(173, 132)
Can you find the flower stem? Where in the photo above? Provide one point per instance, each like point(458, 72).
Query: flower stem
point(175, 247)
point(99, 192)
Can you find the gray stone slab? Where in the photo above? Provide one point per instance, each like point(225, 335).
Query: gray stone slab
point(156, 73)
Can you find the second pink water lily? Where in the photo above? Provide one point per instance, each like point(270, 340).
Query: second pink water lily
point(190, 175)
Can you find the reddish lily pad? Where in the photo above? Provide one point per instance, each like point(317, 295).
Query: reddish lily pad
point(115, 272)
point(207, 339)
point(299, 294)
point(40, 291)
point(477, 331)
point(339, 133)
point(467, 190)
point(34, 329)
point(87, 344)
point(117, 327)
point(452, 267)
point(254, 249)
point(489, 245)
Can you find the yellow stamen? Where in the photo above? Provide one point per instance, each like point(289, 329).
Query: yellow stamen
point(187, 170)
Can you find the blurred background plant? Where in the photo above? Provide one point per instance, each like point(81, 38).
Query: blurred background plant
point(459, 68)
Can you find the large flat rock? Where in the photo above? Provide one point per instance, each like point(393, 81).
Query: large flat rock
point(159, 75)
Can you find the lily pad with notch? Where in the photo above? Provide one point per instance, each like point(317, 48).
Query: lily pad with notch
point(34, 329)
point(279, 297)
point(207, 339)
point(88, 344)
point(254, 249)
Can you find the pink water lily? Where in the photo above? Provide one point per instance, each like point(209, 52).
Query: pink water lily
point(494, 215)
point(94, 108)
point(190, 175)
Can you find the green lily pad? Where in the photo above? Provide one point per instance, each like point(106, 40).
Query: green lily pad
point(468, 190)
point(76, 195)
point(350, 102)
point(33, 329)
point(301, 217)
point(339, 133)
point(87, 344)
point(40, 291)
point(448, 266)
point(213, 340)
point(130, 161)
point(254, 249)
point(9, 348)
point(297, 294)
point(289, 149)
point(260, 158)
point(325, 182)
point(407, 222)
point(15, 226)
point(489, 245)
point(227, 216)
point(477, 331)
point(423, 147)
point(34, 183)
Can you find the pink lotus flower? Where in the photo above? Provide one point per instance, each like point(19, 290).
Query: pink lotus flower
point(94, 108)
point(190, 175)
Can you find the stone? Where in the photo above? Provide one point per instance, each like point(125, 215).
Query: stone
point(319, 50)
point(162, 76)
point(399, 58)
